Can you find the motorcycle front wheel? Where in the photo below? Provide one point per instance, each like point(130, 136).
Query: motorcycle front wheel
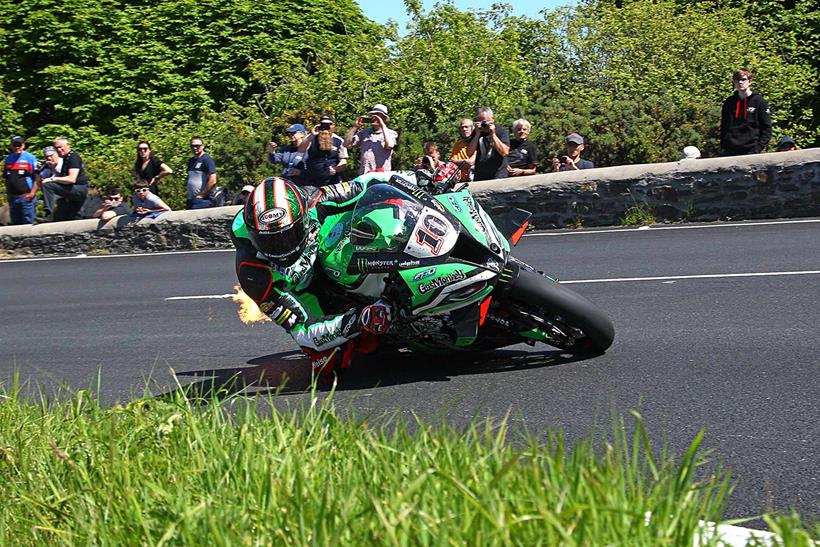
point(572, 322)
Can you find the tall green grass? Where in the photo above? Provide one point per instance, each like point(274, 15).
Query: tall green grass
point(237, 472)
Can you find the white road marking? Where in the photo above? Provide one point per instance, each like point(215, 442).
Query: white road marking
point(665, 279)
point(675, 227)
point(202, 297)
point(697, 276)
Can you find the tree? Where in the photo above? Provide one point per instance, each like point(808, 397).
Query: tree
point(644, 79)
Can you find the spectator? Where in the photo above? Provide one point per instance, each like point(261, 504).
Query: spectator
point(149, 168)
point(242, 196)
point(69, 184)
point(20, 174)
point(787, 144)
point(146, 204)
point(292, 161)
point(52, 165)
point(377, 141)
point(522, 159)
point(328, 158)
point(491, 144)
point(113, 206)
point(690, 153)
point(201, 176)
point(745, 120)
point(431, 159)
point(572, 161)
point(459, 153)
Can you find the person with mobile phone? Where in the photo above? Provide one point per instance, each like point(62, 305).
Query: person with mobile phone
point(325, 153)
point(292, 161)
point(572, 161)
point(376, 142)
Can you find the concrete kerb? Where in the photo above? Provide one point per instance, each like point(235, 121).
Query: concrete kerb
point(775, 185)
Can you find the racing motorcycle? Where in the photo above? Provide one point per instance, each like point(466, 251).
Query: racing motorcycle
point(422, 242)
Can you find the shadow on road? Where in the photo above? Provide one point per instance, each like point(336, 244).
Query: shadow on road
point(289, 372)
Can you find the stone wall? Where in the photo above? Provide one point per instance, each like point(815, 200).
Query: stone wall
point(176, 230)
point(776, 185)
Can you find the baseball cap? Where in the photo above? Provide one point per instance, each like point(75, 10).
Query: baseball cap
point(247, 188)
point(576, 138)
point(380, 110)
point(690, 153)
point(18, 139)
point(327, 118)
point(296, 128)
point(786, 141)
point(48, 149)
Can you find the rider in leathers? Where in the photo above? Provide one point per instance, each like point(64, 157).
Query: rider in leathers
point(276, 245)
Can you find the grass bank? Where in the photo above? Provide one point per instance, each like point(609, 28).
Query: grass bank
point(226, 473)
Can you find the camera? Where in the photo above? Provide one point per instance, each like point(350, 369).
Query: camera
point(484, 125)
point(564, 159)
point(367, 119)
point(324, 126)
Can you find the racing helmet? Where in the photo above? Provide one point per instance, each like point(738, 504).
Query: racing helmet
point(277, 220)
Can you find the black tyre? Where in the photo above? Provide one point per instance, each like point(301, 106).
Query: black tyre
point(576, 324)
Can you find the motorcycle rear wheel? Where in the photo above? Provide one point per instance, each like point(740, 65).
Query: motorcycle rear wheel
point(577, 325)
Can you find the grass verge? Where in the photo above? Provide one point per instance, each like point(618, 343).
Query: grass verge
point(232, 472)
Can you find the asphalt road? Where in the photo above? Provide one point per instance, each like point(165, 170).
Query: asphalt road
point(736, 355)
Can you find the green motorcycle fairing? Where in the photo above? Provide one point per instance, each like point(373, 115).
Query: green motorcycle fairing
point(400, 231)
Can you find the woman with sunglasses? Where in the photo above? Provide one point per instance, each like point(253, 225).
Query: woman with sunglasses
point(148, 168)
point(146, 204)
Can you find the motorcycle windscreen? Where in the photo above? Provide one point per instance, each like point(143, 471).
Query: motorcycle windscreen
point(383, 220)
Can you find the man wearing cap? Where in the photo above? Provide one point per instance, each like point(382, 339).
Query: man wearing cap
point(787, 144)
point(19, 172)
point(242, 196)
point(491, 145)
point(745, 119)
point(326, 154)
point(292, 161)
point(572, 161)
point(70, 184)
point(377, 141)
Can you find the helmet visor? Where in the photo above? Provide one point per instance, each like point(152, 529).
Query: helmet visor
point(283, 247)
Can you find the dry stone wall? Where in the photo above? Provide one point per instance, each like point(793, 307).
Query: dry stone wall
point(778, 185)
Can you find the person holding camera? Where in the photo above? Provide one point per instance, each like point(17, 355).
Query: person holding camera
point(491, 144)
point(572, 161)
point(113, 206)
point(431, 159)
point(292, 161)
point(377, 142)
point(328, 158)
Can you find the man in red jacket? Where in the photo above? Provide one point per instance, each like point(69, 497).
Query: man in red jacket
point(745, 120)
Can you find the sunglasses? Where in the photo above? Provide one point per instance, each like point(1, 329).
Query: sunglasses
point(195, 146)
point(139, 190)
point(143, 148)
point(16, 144)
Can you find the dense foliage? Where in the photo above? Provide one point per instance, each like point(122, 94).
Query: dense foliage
point(641, 79)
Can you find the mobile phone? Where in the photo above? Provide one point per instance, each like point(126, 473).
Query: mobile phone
point(324, 126)
point(367, 119)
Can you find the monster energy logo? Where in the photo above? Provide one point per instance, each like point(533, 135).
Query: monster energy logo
point(442, 281)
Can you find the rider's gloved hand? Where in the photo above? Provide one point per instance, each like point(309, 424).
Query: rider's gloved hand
point(283, 316)
point(376, 317)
